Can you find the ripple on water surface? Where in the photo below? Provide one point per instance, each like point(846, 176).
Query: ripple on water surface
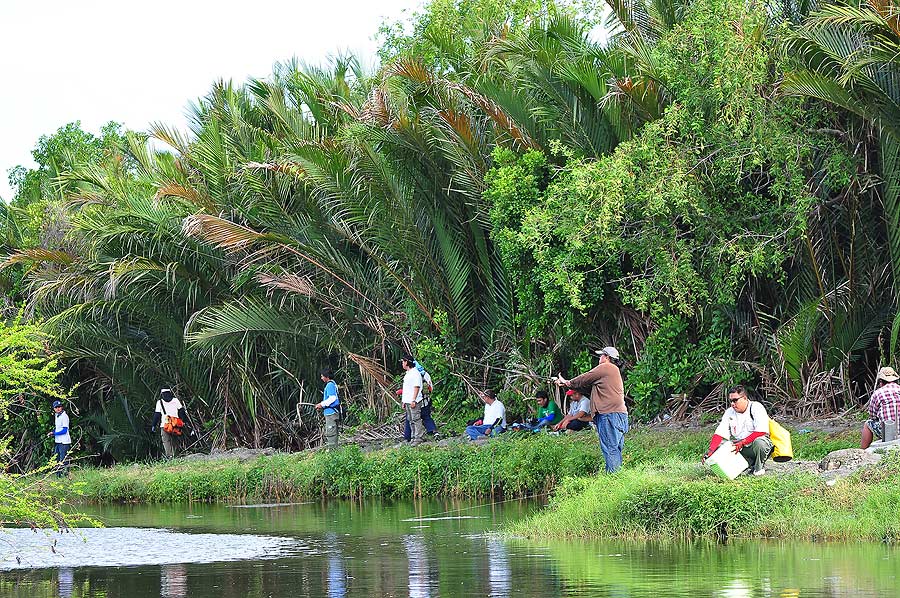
point(129, 546)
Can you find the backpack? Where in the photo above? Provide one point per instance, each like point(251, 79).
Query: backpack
point(782, 450)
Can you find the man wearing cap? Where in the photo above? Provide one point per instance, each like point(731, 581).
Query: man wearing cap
point(884, 406)
point(746, 425)
point(607, 404)
point(494, 417)
point(579, 416)
point(425, 403)
point(330, 406)
point(411, 396)
point(62, 440)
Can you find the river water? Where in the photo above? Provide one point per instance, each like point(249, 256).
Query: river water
point(423, 549)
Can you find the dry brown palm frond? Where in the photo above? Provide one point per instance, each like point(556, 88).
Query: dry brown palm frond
point(190, 194)
point(376, 384)
point(224, 234)
point(498, 115)
point(292, 283)
point(410, 68)
point(38, 256)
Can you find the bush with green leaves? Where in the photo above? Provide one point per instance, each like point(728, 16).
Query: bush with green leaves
point(675, 221)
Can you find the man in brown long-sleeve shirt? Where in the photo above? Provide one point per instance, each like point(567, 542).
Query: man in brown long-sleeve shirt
point(607, 404)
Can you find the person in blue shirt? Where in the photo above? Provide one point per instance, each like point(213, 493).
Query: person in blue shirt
point(330, 407)
point(62, 440)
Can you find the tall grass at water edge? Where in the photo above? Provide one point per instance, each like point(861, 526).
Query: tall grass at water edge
point(512, 465)
point(675, 499)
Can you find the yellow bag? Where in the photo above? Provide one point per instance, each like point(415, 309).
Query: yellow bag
point(781, 440)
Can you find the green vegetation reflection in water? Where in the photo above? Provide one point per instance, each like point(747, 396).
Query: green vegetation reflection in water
point(374, 548)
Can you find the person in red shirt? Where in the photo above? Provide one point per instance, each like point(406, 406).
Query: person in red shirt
point(884, 406)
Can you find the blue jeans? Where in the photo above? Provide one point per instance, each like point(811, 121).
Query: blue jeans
point(474, 432)
point(60, 450)
point(611, 429)
point(542, 423)
point(430, 426)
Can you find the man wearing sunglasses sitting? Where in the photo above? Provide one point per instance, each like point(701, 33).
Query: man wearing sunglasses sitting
point(746, 425)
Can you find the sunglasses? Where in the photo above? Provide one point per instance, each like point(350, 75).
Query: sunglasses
point(735, 400)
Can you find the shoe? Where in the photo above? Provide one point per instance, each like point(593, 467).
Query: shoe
point(761, 471)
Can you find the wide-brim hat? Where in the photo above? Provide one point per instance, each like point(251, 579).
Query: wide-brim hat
point(888, 374)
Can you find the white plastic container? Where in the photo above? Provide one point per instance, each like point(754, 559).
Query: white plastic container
point(727, 463)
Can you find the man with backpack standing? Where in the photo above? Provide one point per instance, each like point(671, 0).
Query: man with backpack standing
point(330, 406)
point(427, 420)
point(169, 418)
point(411, 399)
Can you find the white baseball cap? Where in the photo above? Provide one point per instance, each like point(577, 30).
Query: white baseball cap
point(611, 351)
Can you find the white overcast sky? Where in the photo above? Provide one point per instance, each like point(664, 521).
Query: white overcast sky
point(136, 62)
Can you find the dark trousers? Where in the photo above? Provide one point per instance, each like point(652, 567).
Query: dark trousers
point(61, 450)
point(430, 426)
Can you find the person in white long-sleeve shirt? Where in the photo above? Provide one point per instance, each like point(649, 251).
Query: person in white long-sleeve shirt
point(62, 440)
point(494, 417)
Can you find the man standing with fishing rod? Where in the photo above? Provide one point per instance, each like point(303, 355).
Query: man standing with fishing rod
point(330, 407)
point(610, 414)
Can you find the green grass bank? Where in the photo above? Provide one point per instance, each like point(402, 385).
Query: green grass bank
point(509, 466)
point(677, 499)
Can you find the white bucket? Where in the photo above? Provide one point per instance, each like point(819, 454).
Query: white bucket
point(727, 463)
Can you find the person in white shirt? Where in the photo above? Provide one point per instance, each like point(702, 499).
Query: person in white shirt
point(746, 425)
point(411, 397)
point(494, 417)
point(169, 410)
point(62, 439)
point(579, 415)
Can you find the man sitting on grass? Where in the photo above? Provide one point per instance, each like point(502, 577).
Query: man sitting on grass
point(494, 418)
point(547, 414)
point(579, 415)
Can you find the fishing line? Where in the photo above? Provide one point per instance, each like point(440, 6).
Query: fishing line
point(495, 503)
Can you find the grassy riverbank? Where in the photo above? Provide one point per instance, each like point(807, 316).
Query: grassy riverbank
point(505, 467)
point(678, 499)
point(510, 466)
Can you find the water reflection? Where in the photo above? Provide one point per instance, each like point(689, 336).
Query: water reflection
point(499, 571)
point(65, 580)
point(337, 575)
point(353, 550)
point(173, 582)
point(419, 574)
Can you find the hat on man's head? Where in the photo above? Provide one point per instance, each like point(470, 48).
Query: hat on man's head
point(57, 404)
point(407, 357)
point(489, 393)
point(611, 351)
point(570, 392)
point(888, 374)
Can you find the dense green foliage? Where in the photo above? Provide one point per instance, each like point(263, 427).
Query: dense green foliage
point(29, 380)
point(712, 188)
point(676, 499)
